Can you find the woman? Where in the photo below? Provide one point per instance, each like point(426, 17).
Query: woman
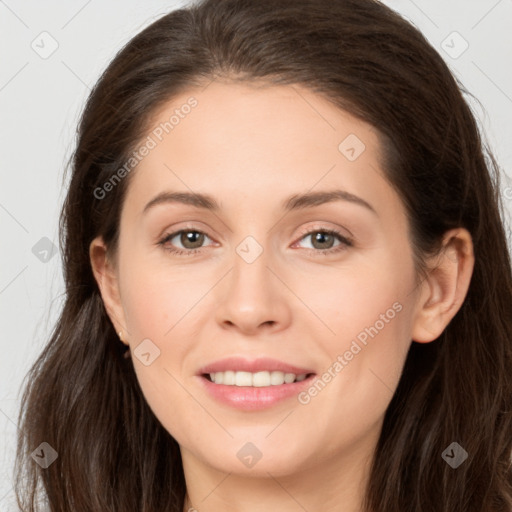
point(371, 373)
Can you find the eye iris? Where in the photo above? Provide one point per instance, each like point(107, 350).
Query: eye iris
point(319, 237)
point(188, 236)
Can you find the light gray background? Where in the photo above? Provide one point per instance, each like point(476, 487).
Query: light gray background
point(41, 98)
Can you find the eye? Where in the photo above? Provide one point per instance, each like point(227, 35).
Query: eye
point(323, 240)
point(192, 241)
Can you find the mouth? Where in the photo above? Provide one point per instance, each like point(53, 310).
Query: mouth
point(252, 392)
point(257, 379)
point(252, 385)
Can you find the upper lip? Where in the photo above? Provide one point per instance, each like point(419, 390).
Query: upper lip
point(256, 365)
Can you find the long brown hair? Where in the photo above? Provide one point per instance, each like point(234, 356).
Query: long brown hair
point(82, 397)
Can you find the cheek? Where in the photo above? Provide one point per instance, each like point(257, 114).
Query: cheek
point(154, 301)
point(370, 332)
point(361, 302)
point(147, 311)
point(156, 297)
point(364, 363)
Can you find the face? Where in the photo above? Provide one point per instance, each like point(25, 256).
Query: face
point(303, 271)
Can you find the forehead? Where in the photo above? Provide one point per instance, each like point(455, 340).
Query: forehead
point(238, 138)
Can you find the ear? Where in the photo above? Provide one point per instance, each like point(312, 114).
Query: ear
point(108, 282)
point(445, 287)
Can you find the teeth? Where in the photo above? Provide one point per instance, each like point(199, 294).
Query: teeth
point(258, 379)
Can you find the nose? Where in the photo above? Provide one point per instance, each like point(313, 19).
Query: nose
point(253, 298)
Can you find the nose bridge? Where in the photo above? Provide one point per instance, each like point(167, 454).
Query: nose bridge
point(251, 275)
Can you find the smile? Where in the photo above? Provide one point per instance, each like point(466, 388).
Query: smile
point(258, 379)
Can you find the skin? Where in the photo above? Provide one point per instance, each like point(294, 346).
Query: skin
point(251, 148)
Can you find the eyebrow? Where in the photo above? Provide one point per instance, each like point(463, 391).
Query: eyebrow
point(294, 202)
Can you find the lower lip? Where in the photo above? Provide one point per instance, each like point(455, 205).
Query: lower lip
point(250, 398)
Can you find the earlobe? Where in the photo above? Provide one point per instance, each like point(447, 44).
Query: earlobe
point(108, 284)
point(446, 286)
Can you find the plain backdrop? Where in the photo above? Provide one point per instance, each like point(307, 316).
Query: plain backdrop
point(52, 53)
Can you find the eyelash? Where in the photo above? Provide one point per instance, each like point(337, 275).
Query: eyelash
point(345, 242)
